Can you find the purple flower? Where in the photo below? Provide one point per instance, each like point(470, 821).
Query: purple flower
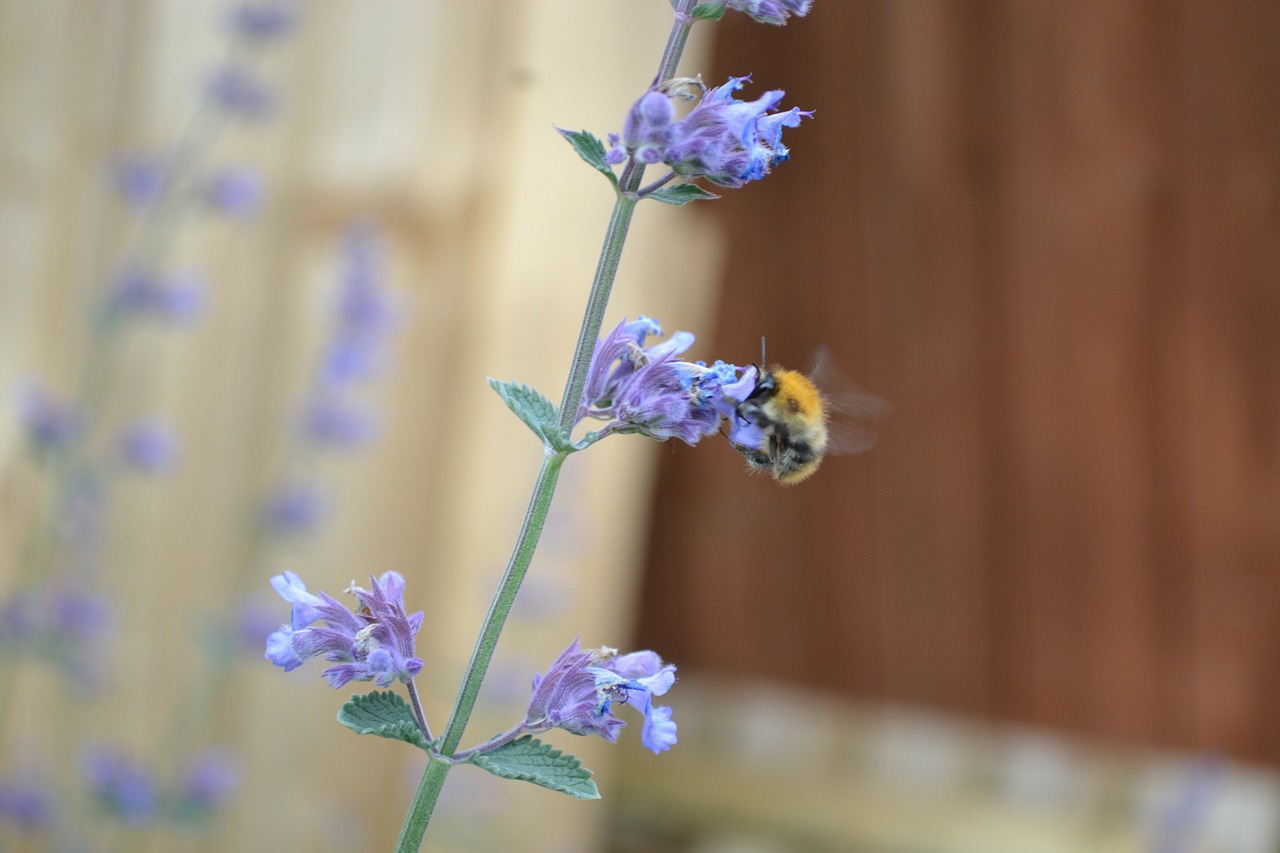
point(263, 20)
point(149, 447)
point(51, 619)
point(138, 178)
point(59, 625)
point(334, 422)
point(296, 507)
point(365, 313)
point(727, 141)
point(177, 299)
point(239, 93)
point(25, 805)
point(375, 643)
point(770, 11)
point(121, 785)
point(650, 391)
point(581, 689)
point(50, 423)
point(78, 615)
point(208, 782)
point(235, 193)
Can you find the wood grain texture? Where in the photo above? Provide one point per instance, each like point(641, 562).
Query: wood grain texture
point(1049, 234)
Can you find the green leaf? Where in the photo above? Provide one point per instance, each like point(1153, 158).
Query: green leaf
point(591, 149)
point(713, 10)
point(535, 410)
point(530, 760)
point(384, 714)
point(681, 194)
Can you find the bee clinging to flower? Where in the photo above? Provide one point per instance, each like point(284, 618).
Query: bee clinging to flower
point(784, 425)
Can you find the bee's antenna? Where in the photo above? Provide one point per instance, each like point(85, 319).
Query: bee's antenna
point(762, 350)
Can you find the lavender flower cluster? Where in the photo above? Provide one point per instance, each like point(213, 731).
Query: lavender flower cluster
point(648, 390)
point(374, 643)
point(727, 141)
point(581, 688)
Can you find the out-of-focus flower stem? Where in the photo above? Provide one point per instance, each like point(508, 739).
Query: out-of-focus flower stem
point(424, 801)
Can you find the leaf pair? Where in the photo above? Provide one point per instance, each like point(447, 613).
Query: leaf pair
point(591, 149)
point(528, 759)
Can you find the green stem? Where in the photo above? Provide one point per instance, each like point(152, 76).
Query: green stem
point(424, 801)
point(598, 301)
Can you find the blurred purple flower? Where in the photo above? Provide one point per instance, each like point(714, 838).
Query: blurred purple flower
point(121, 785)
point(79, 614)
point(650, 391)
point(581, 688)
point(727, 141)
point(337, 423)
point(21, 619)
point(207, 783)
point(139, 178)
point(27, 806)
point(375, 643)
point(235, 192)
point(365, 313)
point(58, 625)
point(296, 507)
point(239, 93)
point(177, 299)
point(149, 447)
point(263, 20)
point(50, 423)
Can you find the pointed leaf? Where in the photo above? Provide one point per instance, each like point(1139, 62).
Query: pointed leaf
point(535, 410)
point(530, 760)
point(681, 194)
point(712, 10)
point(384, 714)
point(590, 149)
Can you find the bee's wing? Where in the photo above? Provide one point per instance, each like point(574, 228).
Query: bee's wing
point(845, 437)
point(851, 405)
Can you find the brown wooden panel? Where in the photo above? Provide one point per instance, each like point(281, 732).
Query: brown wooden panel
point(1049, 234)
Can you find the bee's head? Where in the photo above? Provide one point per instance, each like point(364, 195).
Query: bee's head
point(766, 387)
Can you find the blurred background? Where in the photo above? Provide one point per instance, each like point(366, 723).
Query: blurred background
point(254, 272)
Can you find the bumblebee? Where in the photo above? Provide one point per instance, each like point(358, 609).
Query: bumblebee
point(784, 425)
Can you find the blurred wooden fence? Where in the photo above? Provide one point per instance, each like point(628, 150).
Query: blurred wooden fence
point(1049, 234)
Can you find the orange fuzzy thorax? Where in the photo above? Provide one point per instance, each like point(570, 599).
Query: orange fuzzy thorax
point(800, 396)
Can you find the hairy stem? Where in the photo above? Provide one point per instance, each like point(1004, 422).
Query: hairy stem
point(416, 704)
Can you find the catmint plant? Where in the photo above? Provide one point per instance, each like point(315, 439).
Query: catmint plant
point(633, 387)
